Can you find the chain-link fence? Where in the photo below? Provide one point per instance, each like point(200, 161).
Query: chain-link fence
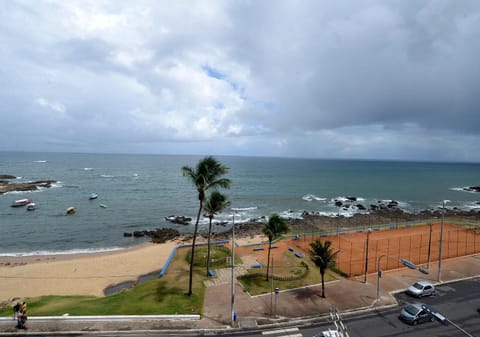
point(418, 244)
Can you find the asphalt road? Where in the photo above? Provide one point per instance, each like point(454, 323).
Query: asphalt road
point(457, 301)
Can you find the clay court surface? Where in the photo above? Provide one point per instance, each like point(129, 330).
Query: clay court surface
point(418, 244)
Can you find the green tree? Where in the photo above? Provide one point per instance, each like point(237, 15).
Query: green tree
point(324, 257)
point(207, 174)
point(275, 227)
point(215, 204)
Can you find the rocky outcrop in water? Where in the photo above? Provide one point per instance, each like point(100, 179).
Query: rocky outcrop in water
point(159, 235)
point(472, 189)
point(6, 186)
point(178, 219)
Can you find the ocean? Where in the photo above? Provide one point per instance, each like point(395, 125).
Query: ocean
point(137, 192)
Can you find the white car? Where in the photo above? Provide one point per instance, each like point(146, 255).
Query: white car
point(421, 288)
point(328, 333)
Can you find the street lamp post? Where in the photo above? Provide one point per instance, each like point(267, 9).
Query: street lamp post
point(405, 262)
point(440, 250)
point(232, 304)
point(277, 290)
point(366, 254)
point(429, 246)
point(271, 290)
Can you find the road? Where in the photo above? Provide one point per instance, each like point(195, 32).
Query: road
point(457, 301)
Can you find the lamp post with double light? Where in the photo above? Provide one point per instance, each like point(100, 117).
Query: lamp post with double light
point(369, 231)
point(405, 262)
point(440, 249)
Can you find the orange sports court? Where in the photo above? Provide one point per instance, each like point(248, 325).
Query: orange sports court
point(418, 243)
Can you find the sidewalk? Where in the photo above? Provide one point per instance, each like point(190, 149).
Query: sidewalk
point(288, 307)
point(347, 295)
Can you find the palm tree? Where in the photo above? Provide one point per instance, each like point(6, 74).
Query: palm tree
point(275, 227)
point(324, 257)
point(214, 205)
point(206, 175)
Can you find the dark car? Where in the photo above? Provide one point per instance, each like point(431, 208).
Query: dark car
point(415, 313)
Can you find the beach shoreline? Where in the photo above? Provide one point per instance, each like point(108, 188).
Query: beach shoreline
point(81, 273)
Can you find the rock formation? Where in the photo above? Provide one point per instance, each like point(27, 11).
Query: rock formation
point(6, 186)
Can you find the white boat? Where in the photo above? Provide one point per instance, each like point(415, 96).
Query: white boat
point(21, 202)
point(71, 210)
point(93, 196)
point(31, 206)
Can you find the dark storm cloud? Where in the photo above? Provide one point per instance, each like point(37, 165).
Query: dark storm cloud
point(349, 79)
point(369, 63)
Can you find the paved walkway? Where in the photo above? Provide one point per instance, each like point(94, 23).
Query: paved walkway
point(347, 295)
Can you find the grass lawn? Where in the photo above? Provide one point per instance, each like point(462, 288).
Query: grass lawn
point(289, 266)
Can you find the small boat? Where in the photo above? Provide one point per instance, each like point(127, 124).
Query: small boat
point(93, 196)
point(71, 210)
point(21, 202)
point(31, 206)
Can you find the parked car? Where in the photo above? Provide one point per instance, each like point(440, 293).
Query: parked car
point(328, 333)
point(421, 288)
point(415, 313)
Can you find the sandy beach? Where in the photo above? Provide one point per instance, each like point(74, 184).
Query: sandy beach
point(85, 274)
point(79, 274)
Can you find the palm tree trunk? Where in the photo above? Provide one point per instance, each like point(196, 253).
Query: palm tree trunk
point(208, 245)
point(323, 283)
point(268, 258)
point(193, 249)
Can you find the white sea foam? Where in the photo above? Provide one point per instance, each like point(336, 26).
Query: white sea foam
point(463, 189)
point(56, 185)
point(472, 206)
point(63, 252)
point(291, 215)
point(106, 176)
point(87, 168)
point(18, 192)
point(311, 197)
point(347, 199)
point(40, 161)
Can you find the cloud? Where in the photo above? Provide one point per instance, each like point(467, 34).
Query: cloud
point(370, 79)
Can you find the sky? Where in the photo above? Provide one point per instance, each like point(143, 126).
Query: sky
point(357, 79)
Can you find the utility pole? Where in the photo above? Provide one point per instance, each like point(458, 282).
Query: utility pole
point(366, 254)
point(440, 250)
point(429, 246)
point(232, 306)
